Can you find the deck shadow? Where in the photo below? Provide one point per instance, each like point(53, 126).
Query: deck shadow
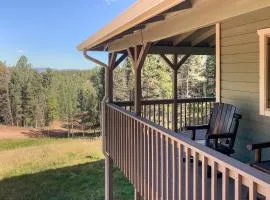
point(83, 181)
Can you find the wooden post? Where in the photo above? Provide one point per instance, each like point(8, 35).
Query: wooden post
point(138, 55)
point(175, 65)
point(108, 98)
point(174, 109)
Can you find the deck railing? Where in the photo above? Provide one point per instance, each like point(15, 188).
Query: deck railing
point(164, 165)
point(193, 111)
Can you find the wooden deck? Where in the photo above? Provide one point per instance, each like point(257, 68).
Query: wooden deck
point(162, 164)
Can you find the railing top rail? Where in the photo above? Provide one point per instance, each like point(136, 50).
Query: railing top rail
point(166, 101)
point(226, 161)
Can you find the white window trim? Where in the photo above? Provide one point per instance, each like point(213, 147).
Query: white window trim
point(263, 34)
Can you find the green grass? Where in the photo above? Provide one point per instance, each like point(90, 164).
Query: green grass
point(8, 144)
point(56, 170)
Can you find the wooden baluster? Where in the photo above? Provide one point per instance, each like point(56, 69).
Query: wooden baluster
point(145, 162)
point(121, 141)
point(204, 178)
point(158, 114)
point(181, 117)
point(225, 184)
point(135, 172)
point(167, 156)
point(149, 158)
point(238, 187)
point(126, 146)
point(214, 181)
point(158, 164)
point(142, 157)
point(193, 113)
point(185, 114)
point(206, 113)
point(198, 111)
point(137, 157)
point(163, 115)
point(154, 165)
point(252, 190)
point(130, 130)
point(173, 174)
point(168, 116)
point(154, 113)
point(162, 170)
point(195, 176)
point(180, 171)
point(187, 173)
point(149, 112)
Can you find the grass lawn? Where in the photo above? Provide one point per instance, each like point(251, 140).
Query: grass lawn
point(53, 169)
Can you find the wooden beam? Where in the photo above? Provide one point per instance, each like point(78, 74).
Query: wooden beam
point(212, 43)
point(182, 61)
point(157, 18)
point(143, 53)
point(119, 60)
point(138, 55)
point(181, 50)
point(182, 37)
point(166, 59)
point(204, 36)
point(182, 6)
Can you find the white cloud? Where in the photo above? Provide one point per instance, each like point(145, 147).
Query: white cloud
point(20, 51)
point(110, 1)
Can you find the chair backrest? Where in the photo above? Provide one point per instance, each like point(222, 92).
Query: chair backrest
point(224, 120)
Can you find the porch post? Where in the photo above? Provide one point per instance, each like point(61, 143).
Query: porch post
point(174, 109)
point(175, 65)
point(108, 98)
point(138, 55)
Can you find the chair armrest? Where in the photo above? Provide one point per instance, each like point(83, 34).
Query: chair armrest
point(220, 136)
point(263, 145)
point(197, 127)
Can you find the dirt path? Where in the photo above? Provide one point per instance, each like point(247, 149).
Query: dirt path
point(11, 132)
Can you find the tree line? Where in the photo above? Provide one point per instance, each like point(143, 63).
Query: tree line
point(196, 78)
point(34, 99)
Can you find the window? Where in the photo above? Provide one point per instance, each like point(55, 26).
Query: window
point(264, 38)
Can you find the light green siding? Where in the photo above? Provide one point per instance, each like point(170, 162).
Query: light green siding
point(240, 76)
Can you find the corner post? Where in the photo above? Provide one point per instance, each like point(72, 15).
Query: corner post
point(138, 55)
point(108, 98)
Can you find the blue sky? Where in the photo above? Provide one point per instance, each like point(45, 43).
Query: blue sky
point(48, 31)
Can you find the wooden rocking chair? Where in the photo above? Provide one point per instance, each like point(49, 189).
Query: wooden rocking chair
point(221, 130)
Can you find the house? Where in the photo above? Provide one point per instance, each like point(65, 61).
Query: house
point(151, 155)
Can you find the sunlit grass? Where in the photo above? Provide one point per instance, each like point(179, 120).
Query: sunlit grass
point(56, 169)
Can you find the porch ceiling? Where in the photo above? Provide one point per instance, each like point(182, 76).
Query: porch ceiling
point(155, 20)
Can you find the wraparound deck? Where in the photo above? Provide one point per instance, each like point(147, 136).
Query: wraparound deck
point(157, 161)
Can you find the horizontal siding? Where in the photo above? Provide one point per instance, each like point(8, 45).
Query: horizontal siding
point(241, 86)
point(239, 68)
point(240, 58)
point(240, 75)
point(246, 28)
point(240, 39)
point(241, 48)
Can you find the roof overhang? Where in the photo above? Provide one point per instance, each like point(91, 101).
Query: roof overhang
point(139, 12)
point(123, 32)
